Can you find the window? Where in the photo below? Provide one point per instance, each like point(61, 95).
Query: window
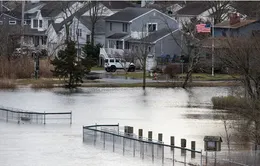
point(149, 49)
point(117, 60)
point(35, 23)
point(40, 23)
point(124, 27)
point(1, 23)
point(12, 22)
point(111, 26)
point(79, 32)
point(112, 60)
point(152, 27)
point(88, 38)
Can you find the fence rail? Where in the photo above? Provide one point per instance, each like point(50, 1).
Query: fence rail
point(19, 115)
point(109, 137)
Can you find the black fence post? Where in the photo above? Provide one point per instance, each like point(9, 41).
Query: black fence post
point(70, 117)
point(44, 118)
point(6, 116)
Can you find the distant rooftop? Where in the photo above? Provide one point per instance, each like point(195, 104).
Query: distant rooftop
point(127, 14)
point(194, 8)
point(226, 24)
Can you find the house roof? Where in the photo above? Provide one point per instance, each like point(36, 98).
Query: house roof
point(100, 26)
point(194, 8)
point(117, 36)
point(53, 8)
point(226, 24)
point(212, 139)
point(58, 26)
point(117, 5)
point(155, 36)
point(127, 14)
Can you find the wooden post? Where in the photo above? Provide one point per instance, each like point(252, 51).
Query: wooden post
point(160, 137)
point(150, 135)
point(140, 133)
point(172, 142)
point(193, 147)
point(183, 145)
point(44, 118)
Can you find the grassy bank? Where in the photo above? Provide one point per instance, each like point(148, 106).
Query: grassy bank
point(195, 76)
point(163, 84)
point(7, 84)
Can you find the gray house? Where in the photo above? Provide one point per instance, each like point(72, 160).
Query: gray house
point(128, 28)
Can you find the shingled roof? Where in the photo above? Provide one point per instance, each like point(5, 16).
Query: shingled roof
point(100, 26)
point(117, 5)
point(226, 24)
point(128, 14)
point(194, 9)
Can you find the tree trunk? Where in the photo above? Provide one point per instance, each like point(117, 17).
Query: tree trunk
point(144, 73)
point(188, 75)
point(92, 34)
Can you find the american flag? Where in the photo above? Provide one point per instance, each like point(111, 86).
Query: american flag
point(204, 28)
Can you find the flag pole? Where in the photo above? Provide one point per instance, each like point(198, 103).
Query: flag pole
point(212, 48)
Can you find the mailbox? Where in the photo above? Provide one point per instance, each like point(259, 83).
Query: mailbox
point(212, 143)
point(129, 131)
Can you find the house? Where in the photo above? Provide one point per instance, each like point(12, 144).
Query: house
point(202, 11)
point(81, 25)
point(235, 27)
point(128, 28)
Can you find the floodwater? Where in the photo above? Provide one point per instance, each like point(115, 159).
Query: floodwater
point(173, 112)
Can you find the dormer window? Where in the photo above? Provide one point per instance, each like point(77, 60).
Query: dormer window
point(40, 23)
point(35, 23)
point(151, 27)
point(12, 22)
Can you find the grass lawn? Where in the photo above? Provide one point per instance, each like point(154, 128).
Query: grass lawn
point(97, 68)
point(209, 77)
point(196, 76)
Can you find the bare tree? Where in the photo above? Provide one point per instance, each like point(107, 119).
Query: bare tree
point(188, 42)
point(219, 10)
point(95, 12)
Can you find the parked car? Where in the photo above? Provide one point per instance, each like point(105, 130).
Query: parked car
point(113, 64)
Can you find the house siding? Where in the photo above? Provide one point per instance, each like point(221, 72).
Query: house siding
point(242, 31)
point(117, 27)
point(139, 26)
point(167, 46)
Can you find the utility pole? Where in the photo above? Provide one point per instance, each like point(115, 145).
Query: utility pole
point(212, 47)
point(22, 24)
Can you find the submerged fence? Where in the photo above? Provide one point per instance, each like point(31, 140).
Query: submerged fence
point(110, 138)
point(22, 116)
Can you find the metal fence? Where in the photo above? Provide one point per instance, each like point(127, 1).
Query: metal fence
point(234, 158)
point(110, 138)
point(23, 116)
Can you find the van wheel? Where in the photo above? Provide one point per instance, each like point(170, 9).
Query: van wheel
point(113, 68)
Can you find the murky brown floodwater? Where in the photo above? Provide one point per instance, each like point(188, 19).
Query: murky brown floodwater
point(183, 114)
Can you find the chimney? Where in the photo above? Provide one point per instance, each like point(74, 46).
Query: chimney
point(234, 18)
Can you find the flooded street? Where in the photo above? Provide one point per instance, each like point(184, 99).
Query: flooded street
point(173, 112)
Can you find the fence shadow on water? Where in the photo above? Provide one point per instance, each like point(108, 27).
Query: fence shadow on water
point(109, 137)
point(22, 116)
